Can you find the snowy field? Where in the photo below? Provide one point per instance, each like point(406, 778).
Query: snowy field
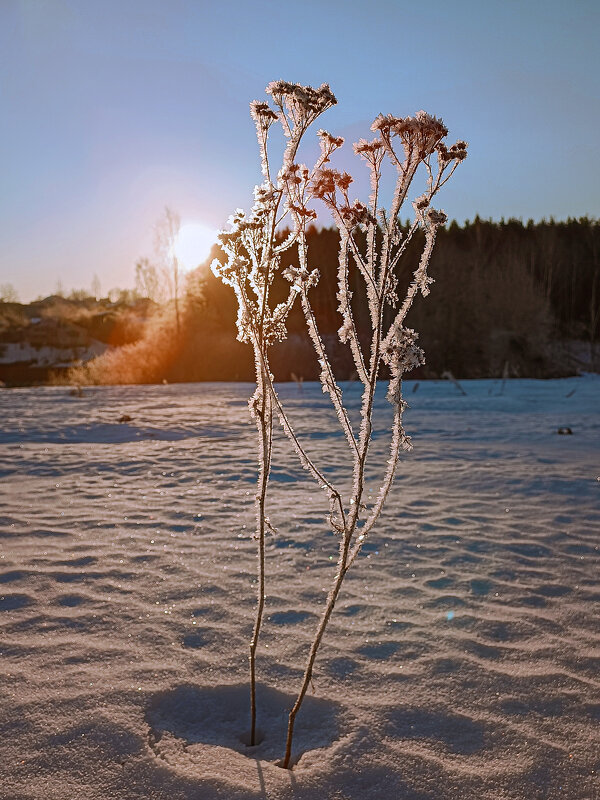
point(461, 662)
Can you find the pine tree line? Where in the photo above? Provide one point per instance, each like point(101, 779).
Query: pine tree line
point(507, 291)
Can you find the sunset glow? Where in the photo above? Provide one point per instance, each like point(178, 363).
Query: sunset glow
point(193, 244)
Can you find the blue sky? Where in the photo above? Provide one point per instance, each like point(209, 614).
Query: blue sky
point(112, 110)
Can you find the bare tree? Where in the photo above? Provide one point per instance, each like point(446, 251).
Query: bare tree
point(8, 293)
point(166, 232)
point(96, 287)
point(148, 281)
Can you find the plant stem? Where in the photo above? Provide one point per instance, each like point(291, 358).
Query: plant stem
point(264, 423)
point(331, 600)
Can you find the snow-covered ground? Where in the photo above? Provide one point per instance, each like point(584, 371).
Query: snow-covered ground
point(461, 661)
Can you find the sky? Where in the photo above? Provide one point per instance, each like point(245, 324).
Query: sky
point(112, 110)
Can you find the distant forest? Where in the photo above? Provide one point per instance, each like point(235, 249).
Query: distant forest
point(509, 299)
point(506, 294)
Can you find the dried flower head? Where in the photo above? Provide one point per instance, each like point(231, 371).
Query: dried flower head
point(458, 150)
point(436, 217)
point(356, 214)
point(401, 352)
point(301, 278)
point(265, 193)
point(329, 140)
point(262, 113)
point(364, 147)
point(326, 181)
point(419, 134)
point(302, 211)
point(302, 103)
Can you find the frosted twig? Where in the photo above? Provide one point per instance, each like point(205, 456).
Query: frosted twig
point(252, 262)
point(395, 346)
point(348, 332)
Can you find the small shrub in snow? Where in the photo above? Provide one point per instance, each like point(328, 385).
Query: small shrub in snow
point(410, 145)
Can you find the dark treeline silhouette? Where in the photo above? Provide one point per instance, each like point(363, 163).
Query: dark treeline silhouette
point(505, 294)
point(509, 299)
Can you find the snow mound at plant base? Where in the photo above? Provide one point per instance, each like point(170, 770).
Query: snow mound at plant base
point(189, 723)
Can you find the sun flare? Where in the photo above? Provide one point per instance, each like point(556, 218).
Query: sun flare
point(193, 243)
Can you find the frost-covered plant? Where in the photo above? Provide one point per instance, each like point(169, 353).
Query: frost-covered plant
point(253, 260)
point(407, 143)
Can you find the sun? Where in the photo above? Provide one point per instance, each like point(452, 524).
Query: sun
point(193, 243)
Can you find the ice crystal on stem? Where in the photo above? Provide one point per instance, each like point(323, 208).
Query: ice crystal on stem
point(371, 243)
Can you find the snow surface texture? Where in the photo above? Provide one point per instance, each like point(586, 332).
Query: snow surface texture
point(461, 660)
